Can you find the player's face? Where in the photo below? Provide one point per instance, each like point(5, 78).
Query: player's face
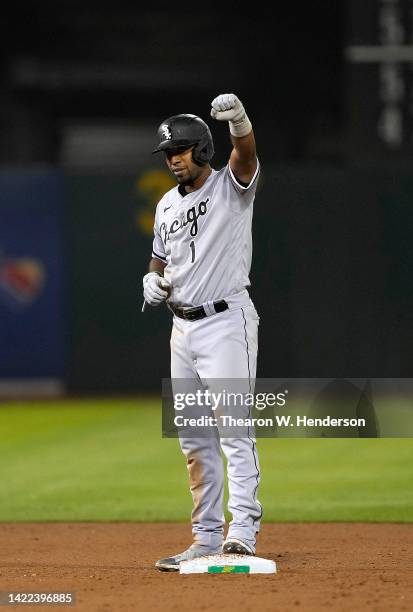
point(182, 166)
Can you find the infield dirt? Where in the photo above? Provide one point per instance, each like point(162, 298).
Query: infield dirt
point(110, 567)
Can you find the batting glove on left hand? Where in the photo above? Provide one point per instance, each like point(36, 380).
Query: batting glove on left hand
point(227, 107)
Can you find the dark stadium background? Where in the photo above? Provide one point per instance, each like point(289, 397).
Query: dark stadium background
point(83, 87)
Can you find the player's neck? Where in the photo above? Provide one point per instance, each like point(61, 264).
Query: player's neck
point(200, 180)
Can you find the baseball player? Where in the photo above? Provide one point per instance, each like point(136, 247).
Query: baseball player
point(200, 265)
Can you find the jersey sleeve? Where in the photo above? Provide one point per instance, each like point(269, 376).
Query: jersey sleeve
point(238, 195)
point(158, 246)
point(244, 187)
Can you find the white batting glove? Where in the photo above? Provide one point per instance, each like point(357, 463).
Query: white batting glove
point(227, 107)
point(156, 288)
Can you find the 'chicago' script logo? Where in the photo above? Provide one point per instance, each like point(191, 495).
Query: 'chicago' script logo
point(191, 217)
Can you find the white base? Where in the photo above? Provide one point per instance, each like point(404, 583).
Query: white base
point(228, 564)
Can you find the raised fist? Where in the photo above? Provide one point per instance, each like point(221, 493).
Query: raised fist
point(227, 107)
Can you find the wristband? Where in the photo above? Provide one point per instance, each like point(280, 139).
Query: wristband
point(240, 127)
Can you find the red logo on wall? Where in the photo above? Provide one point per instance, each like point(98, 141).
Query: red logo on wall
point(21, 280)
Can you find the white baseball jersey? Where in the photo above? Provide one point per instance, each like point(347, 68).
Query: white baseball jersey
point(205, 238)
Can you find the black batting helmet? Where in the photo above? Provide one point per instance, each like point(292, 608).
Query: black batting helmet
point(186, 131)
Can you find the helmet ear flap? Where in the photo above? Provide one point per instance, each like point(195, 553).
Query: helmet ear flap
point(199, 155)
point(203, 150)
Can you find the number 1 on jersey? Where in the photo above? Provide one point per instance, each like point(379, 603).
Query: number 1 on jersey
point(192, 245)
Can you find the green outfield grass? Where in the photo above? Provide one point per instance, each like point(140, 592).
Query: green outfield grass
point(95, 460)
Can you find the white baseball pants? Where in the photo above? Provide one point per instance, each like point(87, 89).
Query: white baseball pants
point(221, 346)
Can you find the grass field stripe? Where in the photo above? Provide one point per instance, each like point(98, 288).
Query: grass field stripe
point(47, 449)
point(228, 569)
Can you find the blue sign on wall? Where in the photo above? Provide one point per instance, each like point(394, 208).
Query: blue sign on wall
point(31, 283)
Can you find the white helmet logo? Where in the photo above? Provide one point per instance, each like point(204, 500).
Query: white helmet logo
point(166, 132)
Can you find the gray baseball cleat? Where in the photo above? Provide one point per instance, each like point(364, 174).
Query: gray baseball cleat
point(233, 546)
point(171, 564)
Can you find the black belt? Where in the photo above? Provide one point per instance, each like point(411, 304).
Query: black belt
point(198, 312)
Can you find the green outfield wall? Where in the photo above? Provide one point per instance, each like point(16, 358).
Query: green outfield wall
point(331, 277)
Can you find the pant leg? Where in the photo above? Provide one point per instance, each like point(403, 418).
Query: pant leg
point(203, 455)
point(229, 352)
